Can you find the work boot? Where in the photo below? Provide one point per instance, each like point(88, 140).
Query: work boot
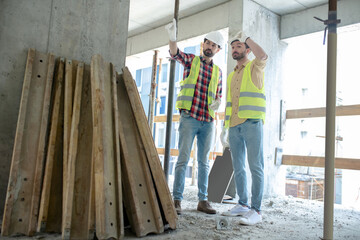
point(177, 204)
point(204, 206)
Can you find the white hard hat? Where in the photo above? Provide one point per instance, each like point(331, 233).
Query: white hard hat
point(215, 37)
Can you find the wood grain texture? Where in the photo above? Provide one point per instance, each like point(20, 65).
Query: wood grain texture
point(116, 119)
point(150, 150)
point(140, 202)
point(69, 84)
point(50, 212)
point(316, 161)
point(349, 110)
point(23, 193)
point(77, 205)
point(104, 150)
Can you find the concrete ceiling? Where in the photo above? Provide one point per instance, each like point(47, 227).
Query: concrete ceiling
point(146, 15)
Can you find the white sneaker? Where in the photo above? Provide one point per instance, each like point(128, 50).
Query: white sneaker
point(238, 210)
point(251, 218)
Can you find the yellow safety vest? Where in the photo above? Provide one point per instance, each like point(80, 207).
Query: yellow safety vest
point(252, 101)
point(187, 87)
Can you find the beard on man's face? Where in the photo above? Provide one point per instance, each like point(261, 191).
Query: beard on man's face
point(238, 56)
point(208, 53)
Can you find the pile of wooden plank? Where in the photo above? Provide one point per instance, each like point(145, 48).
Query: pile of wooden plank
point(84, 160)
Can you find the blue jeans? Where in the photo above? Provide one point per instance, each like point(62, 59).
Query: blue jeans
point(189, 128)
point(248, 136)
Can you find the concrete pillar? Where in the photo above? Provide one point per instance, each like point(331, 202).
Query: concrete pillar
point(72, 29)
point(263, 26)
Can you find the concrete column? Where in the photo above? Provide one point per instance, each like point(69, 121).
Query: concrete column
point(72, 29)
point(263, 26)
point(235, 24)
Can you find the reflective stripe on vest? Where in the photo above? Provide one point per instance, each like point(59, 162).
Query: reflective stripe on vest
point(252, 101)
point(187, 87)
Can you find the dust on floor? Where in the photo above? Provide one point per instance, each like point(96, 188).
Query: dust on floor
point(283, 218)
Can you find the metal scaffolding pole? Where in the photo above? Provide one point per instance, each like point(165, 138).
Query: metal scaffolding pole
point(152, 91)
point(330, 121)
point(170, 103)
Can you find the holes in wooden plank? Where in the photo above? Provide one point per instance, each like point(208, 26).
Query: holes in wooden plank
point(110, 203)
point(41, 60)
point(22, 199)
point(25, 179)
point(111, 224)
point(144, 202)
point(109, 183)
point(38, 76)
point(148, 220)
point(140, 185)
point(20, 219)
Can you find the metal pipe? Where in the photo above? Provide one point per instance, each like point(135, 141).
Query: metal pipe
point(152, 92)
point(330, 122)
point(157, 99)
point(170, 103)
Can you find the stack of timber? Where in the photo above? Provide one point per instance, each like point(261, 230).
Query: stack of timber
point(141, 165)
point(25, 178)
point(84, 162)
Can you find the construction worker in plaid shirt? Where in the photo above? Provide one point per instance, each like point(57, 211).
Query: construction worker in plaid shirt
point(197, 101)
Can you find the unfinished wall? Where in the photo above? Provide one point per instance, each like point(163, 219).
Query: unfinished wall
point(73, 29)
point(301, 23)
point(188, 27)
point(264, 27)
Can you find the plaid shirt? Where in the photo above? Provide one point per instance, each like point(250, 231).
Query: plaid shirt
point(199, 108)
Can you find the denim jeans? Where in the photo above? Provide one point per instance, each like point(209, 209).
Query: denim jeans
point(248, 136)
point(204, 131)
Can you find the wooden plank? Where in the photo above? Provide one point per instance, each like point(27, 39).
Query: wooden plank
point(70, 81)
point(349, 110)
point(315, 161)
point(150, 150)
point(73, 139)
point(41, 150)
point(92, 222)
point(50, 212)
point(116, 119)
point(139, 196)
point(104, 150)
point(175, 152)
point(23, 193)
point(176, 117)
point(77, 205)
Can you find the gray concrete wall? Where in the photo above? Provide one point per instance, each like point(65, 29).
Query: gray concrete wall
point(301, 23)
point(263, 26)
point(224, 15)
point(188, 27)
point(75, 29)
